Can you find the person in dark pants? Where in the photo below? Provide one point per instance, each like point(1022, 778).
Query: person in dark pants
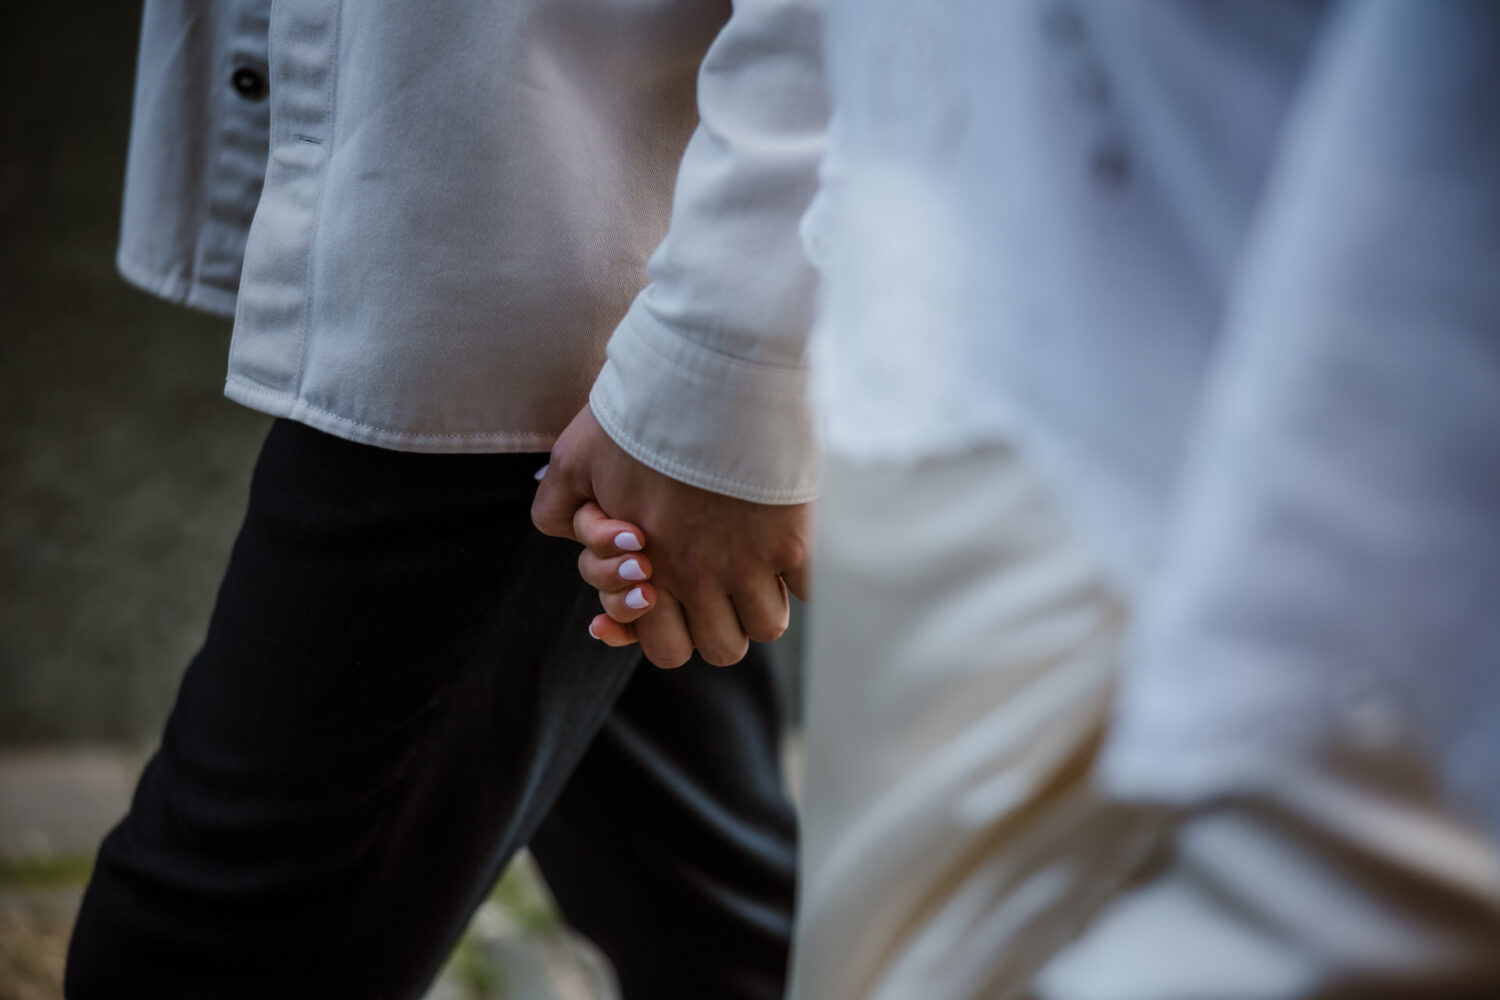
point(396, 692)
point(452, 213)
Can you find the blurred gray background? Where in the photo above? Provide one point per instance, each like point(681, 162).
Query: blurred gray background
point(122, 476)
point(124, 469)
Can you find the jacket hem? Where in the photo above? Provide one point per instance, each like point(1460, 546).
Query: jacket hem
point(289, 407)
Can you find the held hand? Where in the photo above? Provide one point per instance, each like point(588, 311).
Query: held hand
point(612, 562)
point(723, 559)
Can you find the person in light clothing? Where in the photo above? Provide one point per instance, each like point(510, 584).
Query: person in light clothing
point(1156, 652)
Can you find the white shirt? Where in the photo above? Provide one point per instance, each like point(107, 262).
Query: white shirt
point(458, 204)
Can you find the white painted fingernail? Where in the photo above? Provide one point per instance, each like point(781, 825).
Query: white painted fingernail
point(631, 570)
point(541, 472)
point(636, 599)
point(592, 632)
point(626, 541)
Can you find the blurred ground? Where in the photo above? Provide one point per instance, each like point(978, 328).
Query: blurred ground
point(516, 948)
point(123, 473)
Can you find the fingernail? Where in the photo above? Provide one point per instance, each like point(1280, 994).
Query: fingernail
point(631, 570)
point(592, 632)
point(626, 541)
point(541, 472)
point(635, 599)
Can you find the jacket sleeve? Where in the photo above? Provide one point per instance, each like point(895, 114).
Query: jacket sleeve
point(1335, 566)
point(706, 377)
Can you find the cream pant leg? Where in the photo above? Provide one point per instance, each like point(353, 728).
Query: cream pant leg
point(961, 660)
point(1348, 882)
point(960, 668)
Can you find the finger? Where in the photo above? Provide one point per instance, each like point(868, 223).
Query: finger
point(628, 605)
point(613, 575)
point(715, 628)
point(762, 610)
point(799, 582)
point(664, 635)
point(610, 632)
point(554, 505)
point(603, 535)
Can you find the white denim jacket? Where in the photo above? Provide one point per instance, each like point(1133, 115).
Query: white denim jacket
point(458, 207)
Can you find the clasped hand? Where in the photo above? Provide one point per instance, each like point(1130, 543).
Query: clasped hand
point(718, 570)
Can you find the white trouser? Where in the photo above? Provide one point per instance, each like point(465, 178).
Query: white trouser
point(962, 652)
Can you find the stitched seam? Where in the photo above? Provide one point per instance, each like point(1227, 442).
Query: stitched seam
point(697, 477)
point(208, 164)
point(317, 210)
point(693, 358)
point(296, 404)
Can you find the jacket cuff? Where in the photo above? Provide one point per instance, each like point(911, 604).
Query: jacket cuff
point(705, 418)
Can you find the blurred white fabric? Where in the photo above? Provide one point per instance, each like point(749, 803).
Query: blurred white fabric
point(1351, 881)
point(961, 668)
point(961, 660)
point(1225, 272)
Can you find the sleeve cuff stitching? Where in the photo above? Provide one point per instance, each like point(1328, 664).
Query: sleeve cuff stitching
point(694, 476)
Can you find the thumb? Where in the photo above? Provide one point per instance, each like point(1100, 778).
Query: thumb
point(557, 500)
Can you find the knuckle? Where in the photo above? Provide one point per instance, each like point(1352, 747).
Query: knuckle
point(668, 659)
point(547, 519)
point(766, 631)
point(721, 655)
point(664, 649)
point(617, 609)
point(539, 517)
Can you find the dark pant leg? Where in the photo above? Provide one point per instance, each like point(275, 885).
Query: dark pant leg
point(396, 681)
point(673, 845)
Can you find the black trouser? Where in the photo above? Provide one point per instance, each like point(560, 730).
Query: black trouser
point(397, 691)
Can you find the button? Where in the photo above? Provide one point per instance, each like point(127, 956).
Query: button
point(248, 84)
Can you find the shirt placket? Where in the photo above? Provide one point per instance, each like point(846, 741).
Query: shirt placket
point(276, 292)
